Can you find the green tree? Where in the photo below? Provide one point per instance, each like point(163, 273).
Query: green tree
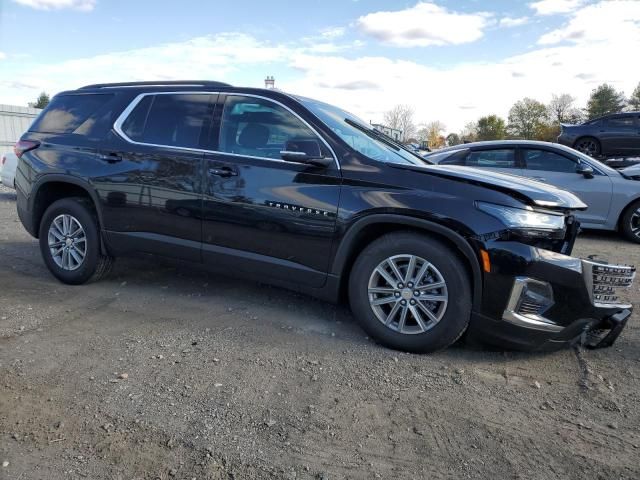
point(491, 127)
point(42, 101)
point(634, 99)
point(604, 100)
point(453, 139)
point(528, 119)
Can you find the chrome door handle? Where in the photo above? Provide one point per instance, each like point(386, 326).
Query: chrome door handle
point(110, 157)
point(224, 172)
point(540, 179)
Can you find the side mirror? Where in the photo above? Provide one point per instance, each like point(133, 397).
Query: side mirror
point(585, 170)
point(305, 151)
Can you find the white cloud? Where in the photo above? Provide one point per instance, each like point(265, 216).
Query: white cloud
point(83, 5)
point(552, 7)
point(333, 32)
point(369, 85)
point(3, 55)
point(509, 22)
point(423, 25)
point(604, 22)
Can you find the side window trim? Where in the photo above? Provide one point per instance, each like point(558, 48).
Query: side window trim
point(117, 126)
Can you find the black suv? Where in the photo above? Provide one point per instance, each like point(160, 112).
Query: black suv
point(613, 135)
point(294, 192)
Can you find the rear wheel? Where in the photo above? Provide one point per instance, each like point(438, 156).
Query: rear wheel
point(410, 292)
point(588, 145)
point(70, 242)
point(630, 222)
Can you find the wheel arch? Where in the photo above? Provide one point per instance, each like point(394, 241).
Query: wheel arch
point(372, 227)
point(53, 187)
point(624, 211)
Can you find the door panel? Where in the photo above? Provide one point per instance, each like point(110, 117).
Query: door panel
point(152, 195)
point(263, 215)
point(620, 135)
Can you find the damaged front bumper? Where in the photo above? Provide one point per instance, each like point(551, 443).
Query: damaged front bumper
point(536, 299)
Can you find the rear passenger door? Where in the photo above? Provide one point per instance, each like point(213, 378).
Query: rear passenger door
point(621, 135)
point(560, 171)
point(152, 194)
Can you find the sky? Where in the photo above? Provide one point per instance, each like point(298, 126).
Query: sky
point(452, 61)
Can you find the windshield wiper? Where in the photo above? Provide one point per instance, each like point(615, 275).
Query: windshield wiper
point(373, 133)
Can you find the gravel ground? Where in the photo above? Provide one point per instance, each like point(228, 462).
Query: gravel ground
point(166, 371)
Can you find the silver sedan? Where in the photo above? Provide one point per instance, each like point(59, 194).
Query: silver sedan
point(613, 197)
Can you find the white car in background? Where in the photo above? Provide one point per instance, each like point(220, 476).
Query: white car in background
point(8, 166)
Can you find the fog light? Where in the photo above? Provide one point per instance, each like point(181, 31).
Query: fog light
point(535, 298)
point(529, 300)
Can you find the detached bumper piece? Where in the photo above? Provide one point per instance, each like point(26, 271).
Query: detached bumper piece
point(606, 334)
point(536, 313)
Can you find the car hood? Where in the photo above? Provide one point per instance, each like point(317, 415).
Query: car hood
point(528, 191)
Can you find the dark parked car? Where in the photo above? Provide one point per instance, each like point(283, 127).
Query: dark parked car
point(609, 136)
point(291, 191)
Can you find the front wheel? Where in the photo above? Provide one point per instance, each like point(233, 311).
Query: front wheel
point(630, 222)
point(70, 242)
point(410, 292)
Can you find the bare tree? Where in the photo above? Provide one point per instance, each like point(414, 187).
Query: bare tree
point(469, 133)
point(400, 117)
point(561, 109)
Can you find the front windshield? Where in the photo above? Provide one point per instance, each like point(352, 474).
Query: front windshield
point(373, 148)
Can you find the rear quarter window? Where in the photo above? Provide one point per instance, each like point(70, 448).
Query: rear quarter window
point(70, 113)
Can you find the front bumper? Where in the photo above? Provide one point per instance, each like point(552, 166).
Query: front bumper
point(535, 299)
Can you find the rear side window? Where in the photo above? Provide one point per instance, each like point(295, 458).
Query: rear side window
point(70, 113)
point(175, 120)
point(548, 161)
point(627, 122)
point(492, 159)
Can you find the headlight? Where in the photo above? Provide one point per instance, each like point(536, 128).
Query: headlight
point(524, 218)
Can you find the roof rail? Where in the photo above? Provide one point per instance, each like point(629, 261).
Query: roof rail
point(159, 83)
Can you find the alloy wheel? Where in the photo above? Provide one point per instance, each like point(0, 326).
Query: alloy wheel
point(588, 147)
point(408, 294)
point(67, 242)
point(635, 223)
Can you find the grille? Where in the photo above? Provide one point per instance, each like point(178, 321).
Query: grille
point(529, 307)
point(607, 281)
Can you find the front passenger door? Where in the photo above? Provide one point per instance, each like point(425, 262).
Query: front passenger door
point(264, 216)
point(560, 171)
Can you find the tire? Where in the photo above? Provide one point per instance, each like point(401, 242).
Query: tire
point(451, 305)
point(630, 222)
point(70, 214)
point(589, 146)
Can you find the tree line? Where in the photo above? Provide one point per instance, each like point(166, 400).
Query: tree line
point(528, 119)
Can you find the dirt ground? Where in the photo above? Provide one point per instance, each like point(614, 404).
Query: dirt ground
point(165, 371)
